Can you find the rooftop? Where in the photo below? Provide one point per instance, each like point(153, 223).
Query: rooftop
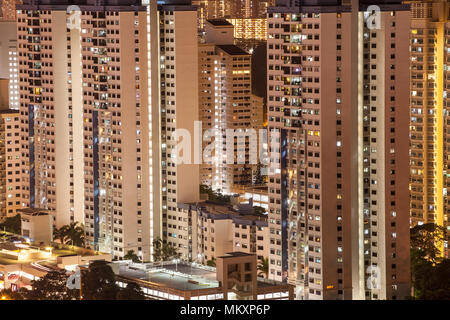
point(263, 188)
point(239, 213)
point(219, 22)
point(8, 111)
point(14, 249)
point(84, 5)
point(180, 276)
point(233, 50)
point(236, 254)
point(83, 2)
point(184, 277)
point(33, 211)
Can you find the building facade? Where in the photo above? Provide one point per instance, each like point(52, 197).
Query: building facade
point(83, 76)
point(429, 164)
point(219, 9)
point(210, 230)
point(124, 77)
point(8, 61)
point(338, 175)
point(249, 28)
point(10, 163)
point(178, 112)
point(231, 116)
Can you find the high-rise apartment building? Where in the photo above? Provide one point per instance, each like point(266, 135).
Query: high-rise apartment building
point(8, 60)
point(10, 175)
point(228, 107)
point(249, 28)
point(247, 16)
point(219, 9)
point(179, 110)
point(249, 33)
point(124, 78)
point(83, 77)
point(338, 92)
point(251, 13)
point(430, 143)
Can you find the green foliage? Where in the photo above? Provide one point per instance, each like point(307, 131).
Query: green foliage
point(52, 286)
point(259, 179)
point(214, 196)
point(98, 282)
point(430, 273)
point(211, 263)
point(132, 256)
point(14, 295)
point(432, 282)
point(59, 234)
point(164, 251)
point(71, 234)
point(427, 239)
point(263, 267)
point(259, 210)
point(131, 292)
point(12, 224)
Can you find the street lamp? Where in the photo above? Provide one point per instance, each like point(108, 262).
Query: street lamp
point(176, 264)
point(200, 258)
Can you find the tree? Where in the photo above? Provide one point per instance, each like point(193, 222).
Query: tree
point(157, 249)
point(75, 234)
point(131, 292)
point(432, 282)
point(259, 179)
point(52, 286)
point(164, 251)
point(214, 196)
point(131, 256)
point(211, 263)
point(428, 273)
point(263, 267)
point(440, 289)
point(60, 234)
point(170, 252)
point(204, 189)
point(428, 239)
point(12, 224)
point(71, 234)
point(259, 210)
point(8, 294)
point(98, 282)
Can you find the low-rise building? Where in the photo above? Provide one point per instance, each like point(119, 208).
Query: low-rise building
point(21, 262)
point(203, 231)
point(173, 280)
point(37, 225)
point(257, 195)
point(227, 109)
